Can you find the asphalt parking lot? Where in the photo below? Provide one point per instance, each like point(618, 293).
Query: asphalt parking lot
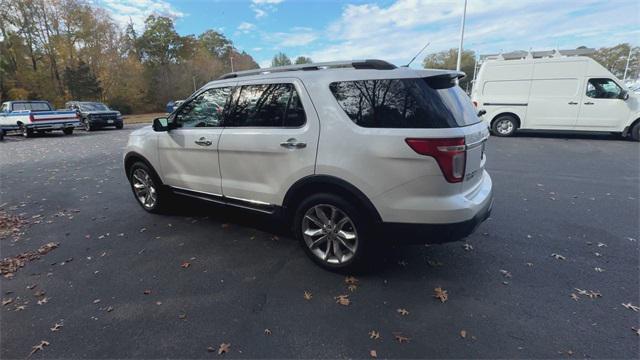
point(545, 277)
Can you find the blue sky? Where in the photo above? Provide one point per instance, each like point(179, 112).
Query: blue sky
point(393, 30)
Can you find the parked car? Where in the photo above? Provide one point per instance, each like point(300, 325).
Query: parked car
point(95, 115)
point(344, 151)
point(555, 93)
point(173, 105)
point(29, 116)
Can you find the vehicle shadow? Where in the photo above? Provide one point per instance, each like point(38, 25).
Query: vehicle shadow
point(568, 136)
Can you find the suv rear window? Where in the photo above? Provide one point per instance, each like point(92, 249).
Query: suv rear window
point(433, 102)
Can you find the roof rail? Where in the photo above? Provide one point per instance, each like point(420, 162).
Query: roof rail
point(356, 64)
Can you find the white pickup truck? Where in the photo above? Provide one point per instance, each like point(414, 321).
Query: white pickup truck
point(35, 116)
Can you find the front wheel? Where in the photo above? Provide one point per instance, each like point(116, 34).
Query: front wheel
point(67, 131)
point(147, 188)
point(333, 232)
point(87, 125)
point(504, 125)
point(119, 126)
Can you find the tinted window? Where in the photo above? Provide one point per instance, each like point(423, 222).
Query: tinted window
point(35, 106)
point(205, 110)
point(267, 105)
point(603, 89)
point(433, 102)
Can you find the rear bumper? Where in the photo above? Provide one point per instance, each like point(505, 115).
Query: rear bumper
point(436, 233)
point(53, 126)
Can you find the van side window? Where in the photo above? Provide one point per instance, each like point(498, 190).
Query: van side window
point(205, 110)
point(603, 89)
point(266, 105)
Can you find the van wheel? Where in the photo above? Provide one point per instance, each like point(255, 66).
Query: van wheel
point(332, 232)
point(504, 125)
point(635, 132)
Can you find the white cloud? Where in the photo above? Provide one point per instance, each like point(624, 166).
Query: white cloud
point(123, 11)
point(262, 8)
point(246, 27)
point(397, 31)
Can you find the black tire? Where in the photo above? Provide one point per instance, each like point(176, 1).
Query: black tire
point(87, 125)
point(1, 134)
point(634, 134)
point(360, 225)
point(119, 126)
point(504, 125)
point(163, 195)
point(26, 132)
point(68, 131)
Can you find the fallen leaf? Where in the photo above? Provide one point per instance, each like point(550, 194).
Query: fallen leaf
point(185, 264)
point(343, 300)
point(7, 301)
point(42, 301)
point(374, 335)
point(308, 295)
point(210, 349)
point(597, 269)
point(467, 247)
point(147, 292)
point(96, 301)
point(267, 331)
point(401, 339)
point(39, 347)
point(20, 308)
point(350, 280)
point(441, 294)
point(631, 307)
point(56, 327)
point(558, 256)
point(505, 273)
point(575, 297)
point(373, 354)
point(403, 312)
point(224, 348)
point(637, 331)
point(463, 334)
point(352, 287)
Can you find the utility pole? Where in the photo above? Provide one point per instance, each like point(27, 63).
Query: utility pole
point(626, 68)
point(231, 59)
point(194, 83)
point(464, 15)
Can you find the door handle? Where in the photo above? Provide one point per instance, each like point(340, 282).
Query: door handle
point(293, 144)
point(588, 103)
point(203, 142)
point(573, 103)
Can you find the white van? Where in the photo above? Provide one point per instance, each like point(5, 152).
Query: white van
point(554, 93)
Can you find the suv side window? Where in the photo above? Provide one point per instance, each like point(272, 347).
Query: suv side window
point(266, 105)
point(205, 110)
point(603, 89)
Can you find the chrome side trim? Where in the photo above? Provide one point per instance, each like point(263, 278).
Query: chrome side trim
point(476, 144)
point(254, 205)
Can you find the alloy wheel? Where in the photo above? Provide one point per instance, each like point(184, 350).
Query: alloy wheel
point(330, 234)
point(144, 188)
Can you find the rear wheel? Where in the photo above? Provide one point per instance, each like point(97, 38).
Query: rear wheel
point(68, 131)
point(333, 232)
point(26, 132)
point(504, 125)
point(635, 132)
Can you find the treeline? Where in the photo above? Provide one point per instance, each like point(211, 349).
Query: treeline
point(60, 50)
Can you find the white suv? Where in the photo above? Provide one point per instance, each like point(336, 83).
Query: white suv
point(351, 153)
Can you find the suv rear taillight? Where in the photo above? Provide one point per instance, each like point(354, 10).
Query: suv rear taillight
point(449, 153)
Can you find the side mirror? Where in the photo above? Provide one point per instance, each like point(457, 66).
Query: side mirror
point(161, 124)
point(481, 112)
point(624, 95)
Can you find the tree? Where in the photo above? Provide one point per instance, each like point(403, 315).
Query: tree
point(82, 83)
point(448, 60)
point(160, 43)
point(615, 60)
point(214, 42)
point(303, 60)
point(280, 59)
